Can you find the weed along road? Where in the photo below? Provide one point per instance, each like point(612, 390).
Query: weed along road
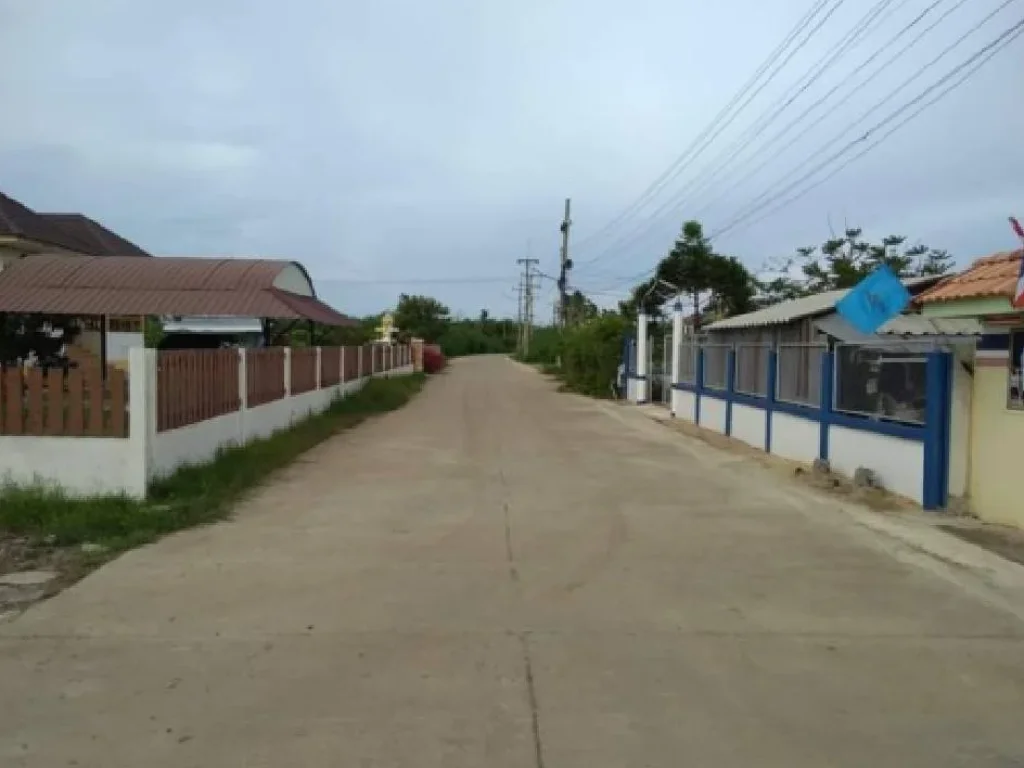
point(502, 575)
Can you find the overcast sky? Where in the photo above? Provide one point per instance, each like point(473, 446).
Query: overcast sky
point(388, 143)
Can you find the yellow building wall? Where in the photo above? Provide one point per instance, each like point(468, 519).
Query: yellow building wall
point(997, 435)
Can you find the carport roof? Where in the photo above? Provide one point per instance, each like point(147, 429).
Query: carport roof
point(127, 285)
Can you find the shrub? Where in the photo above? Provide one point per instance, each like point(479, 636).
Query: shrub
point(433, 360)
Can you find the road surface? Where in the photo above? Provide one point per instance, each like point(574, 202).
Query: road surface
point(501, 575)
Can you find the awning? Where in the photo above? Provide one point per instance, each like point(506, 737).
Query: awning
point(918, 331)
point(118, 285)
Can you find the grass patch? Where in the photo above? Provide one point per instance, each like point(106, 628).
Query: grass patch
point(193, 495)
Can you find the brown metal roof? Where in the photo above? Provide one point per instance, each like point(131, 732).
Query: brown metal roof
point(127, 285)
point(95, 238)
point(990, 277)
point(19, 220)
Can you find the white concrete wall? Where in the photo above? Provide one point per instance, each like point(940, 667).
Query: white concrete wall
point(192, 444)
point(795, 438)
point(82, 466)
point(898, 463)
point(684, 404)
point(712, 414)
point(748, 424)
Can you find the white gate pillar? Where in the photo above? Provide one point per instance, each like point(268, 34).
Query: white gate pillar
point(677, 340)
point(642, 354)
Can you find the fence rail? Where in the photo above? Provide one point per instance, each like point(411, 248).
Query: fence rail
point(78, 403)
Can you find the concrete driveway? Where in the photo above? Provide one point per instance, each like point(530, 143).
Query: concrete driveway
point(500, 575)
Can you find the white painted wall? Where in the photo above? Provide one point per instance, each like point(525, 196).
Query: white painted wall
point(748, 425)
point(83, 466)
point(684, 404)
point(898, 463)
point(712, 414)
point(795, 438)
point(193, 444)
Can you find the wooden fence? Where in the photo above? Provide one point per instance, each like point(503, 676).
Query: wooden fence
point(264, 375)
point(195, 385)
point(303, 370)
point(352, 371)
point(330, 366)
point(76, 403)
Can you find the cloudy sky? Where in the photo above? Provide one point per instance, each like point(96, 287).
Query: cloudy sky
point(403, 145)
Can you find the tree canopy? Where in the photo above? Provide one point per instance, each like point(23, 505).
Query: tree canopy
point(711, 281)
point(842, 262)
point(421, 316)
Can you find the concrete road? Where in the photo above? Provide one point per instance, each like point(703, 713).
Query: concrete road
point(500, 575)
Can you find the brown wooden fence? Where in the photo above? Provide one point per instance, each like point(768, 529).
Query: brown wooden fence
point(264, 375)
point(303, 370)
point(195, 385)
point(78, 403)
point(330, 366)
point(351, 363)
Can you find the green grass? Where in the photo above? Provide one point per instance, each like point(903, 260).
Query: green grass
point(194, 495)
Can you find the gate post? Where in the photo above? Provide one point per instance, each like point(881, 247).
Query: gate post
point(642, 372)
point(677, 340)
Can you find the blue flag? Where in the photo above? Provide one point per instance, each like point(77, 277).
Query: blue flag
point(875, 300)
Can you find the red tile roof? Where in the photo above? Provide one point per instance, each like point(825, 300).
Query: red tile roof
point(127, 285)
point(990, 277)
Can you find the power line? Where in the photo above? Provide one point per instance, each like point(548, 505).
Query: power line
point(865, 24)
point(838, 137)
point(413, 280)
point(768, 116)
point(823, 99)
point(978, 59)
point(695, 146)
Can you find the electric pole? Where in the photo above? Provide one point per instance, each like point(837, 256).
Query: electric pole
point(566, 265)
point(526, 292)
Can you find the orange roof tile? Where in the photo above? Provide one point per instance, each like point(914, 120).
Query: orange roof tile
point(989, 277)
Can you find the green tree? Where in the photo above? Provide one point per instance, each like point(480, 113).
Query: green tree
point(421, 316)
point(842, 262)
point(578, 308)
point(710, 280)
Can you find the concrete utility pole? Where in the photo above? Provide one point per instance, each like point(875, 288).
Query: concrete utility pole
point(526, 290)
point(566, 265)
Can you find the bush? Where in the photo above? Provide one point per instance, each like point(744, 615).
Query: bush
point(591, 353)
point(433, 360)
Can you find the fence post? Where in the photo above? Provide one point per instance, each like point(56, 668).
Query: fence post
point(935, 493)
point(287, 372)
point(773, 373)
point(730, 387)
point(243, 395)
point(319, 368)
point(825, 406)
point(699, 388)
point(359, 363)
point(142, 406)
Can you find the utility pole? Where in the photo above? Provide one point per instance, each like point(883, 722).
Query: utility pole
point(566, 265)
point(526, 291)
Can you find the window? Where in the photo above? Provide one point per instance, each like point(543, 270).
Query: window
point(1015, 380)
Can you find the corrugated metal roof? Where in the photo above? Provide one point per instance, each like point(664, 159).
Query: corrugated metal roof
point(783, 312)
point(902, 326)
point(127, 285)
point(797, 309)
point(990, 277)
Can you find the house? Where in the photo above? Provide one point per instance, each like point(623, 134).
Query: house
point(983, 293)
point(880, 378)
point(25, 232)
